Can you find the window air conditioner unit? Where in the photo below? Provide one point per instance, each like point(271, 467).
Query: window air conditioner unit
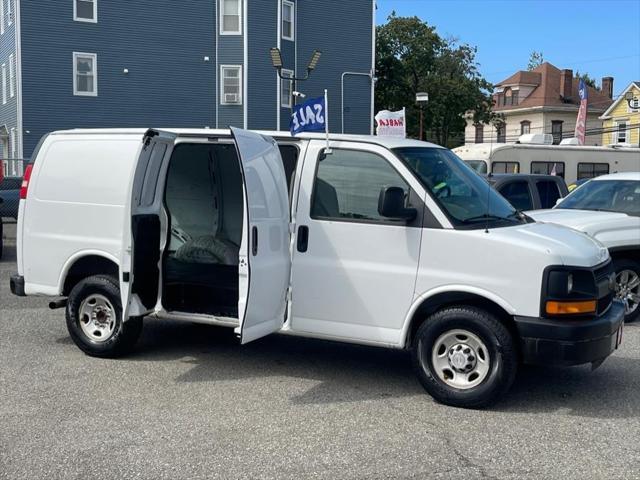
point(231, 98)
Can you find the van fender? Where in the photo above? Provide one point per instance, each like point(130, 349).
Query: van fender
point(420, 299)
point(77, 256)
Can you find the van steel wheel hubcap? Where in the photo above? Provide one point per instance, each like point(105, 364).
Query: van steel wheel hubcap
point(97, 318)
point(628, 290)
point(460, 359)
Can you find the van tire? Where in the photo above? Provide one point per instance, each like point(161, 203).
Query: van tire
point(123, 335)
point(1, 237)
point(444, 336)
point(631, 267)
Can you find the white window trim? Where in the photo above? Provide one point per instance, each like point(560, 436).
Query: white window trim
point(12, 76)
point(4, 83)
point(13, 140)
point(240, 83)
point(9, 13)
point(2, 17)
point(286, 102)
point(616, 133)
point(86, 20)
point(634, 106)
point(293, 19)
point(240, 18)
point(94, 56)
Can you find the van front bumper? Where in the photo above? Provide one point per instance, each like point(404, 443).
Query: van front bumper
point(571, 342)
point(17, 285)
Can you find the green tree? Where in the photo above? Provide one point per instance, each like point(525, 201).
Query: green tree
point(411, 58)
point(587, 79)
point(535, 60)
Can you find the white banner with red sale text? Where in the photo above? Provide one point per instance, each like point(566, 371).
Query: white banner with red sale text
point(391, 124)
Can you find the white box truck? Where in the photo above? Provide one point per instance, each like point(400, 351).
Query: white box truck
point(388, 242)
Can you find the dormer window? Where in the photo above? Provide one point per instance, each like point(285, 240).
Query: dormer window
point(510, 97)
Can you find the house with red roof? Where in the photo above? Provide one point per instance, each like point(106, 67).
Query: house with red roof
point(543, 100)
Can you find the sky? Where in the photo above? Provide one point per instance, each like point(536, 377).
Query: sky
point(599, 37)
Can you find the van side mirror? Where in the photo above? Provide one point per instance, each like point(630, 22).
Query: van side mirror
point(391, 204)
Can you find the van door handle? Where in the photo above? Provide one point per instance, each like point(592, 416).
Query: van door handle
point(254, 241)
point(303, 238)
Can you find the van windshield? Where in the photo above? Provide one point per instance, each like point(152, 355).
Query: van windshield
point(463, 195)
point(479, 166)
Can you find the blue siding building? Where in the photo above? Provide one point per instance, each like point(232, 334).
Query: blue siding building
point(195, 63)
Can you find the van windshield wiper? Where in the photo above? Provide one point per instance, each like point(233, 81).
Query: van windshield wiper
point(489, 216)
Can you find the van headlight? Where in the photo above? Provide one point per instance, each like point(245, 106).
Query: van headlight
point(569, 291)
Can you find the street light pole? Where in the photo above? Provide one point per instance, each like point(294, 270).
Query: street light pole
point(421, 99)
point(276, 61)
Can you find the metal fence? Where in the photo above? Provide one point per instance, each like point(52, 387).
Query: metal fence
point(10, 187)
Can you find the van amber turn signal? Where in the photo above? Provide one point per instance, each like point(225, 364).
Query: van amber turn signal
point(571, 308)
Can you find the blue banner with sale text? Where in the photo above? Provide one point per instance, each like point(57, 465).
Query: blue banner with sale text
point(309, 116)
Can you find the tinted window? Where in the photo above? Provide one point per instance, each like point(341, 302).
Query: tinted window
point(289, 155)
point(609, 195)
point(505, 167)
point(548, 168)
point(591, 170)
point(548, 192)
point(518, 195)
point(348, 184)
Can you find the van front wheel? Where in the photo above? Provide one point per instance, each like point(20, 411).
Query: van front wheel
point(94, 318)
point(464, 357)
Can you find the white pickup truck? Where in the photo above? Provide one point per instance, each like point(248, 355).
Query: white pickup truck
point(388, 242)
point(608, 209)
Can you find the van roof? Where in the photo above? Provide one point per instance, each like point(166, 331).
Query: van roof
point(387, 142)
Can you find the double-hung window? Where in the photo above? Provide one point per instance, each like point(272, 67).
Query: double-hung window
point(4, 83)
point(286, 87)
point(85, 74)
point(85, 11)
point(288, 20)
point(231, 17)
point(12, 75)
point(231, 84)
point(620, 135)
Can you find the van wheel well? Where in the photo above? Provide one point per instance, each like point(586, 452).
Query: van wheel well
point(86, 267)
point(449, 299)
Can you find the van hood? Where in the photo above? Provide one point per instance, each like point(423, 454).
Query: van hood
point(562, 244)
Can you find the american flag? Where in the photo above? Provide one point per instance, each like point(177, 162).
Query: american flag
point(582, 113)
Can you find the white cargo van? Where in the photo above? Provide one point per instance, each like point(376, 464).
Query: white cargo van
point(388, 242)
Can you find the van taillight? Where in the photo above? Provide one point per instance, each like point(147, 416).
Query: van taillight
point(25, 182)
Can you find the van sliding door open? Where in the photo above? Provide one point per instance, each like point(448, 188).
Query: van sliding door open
point(264, 261)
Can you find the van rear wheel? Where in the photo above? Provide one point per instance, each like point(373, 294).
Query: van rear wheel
point(464, 357)
point(94, 318)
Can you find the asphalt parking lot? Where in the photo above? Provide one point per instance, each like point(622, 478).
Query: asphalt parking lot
point(190, 403)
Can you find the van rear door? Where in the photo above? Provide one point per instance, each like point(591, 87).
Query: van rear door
point(142, 235)
point(265, 261)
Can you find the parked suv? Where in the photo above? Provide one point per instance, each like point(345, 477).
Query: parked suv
point(608, 209)
point(529, 192)
point(381, 241)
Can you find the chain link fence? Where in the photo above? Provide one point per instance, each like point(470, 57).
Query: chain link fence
point(13, 170)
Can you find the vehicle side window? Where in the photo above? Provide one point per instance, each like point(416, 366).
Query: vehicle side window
point(289, 155)
point(548, 168)
point(591, 170)
point(348, 183)
point(505, 167)
point(548, 192)
point(518, 195)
